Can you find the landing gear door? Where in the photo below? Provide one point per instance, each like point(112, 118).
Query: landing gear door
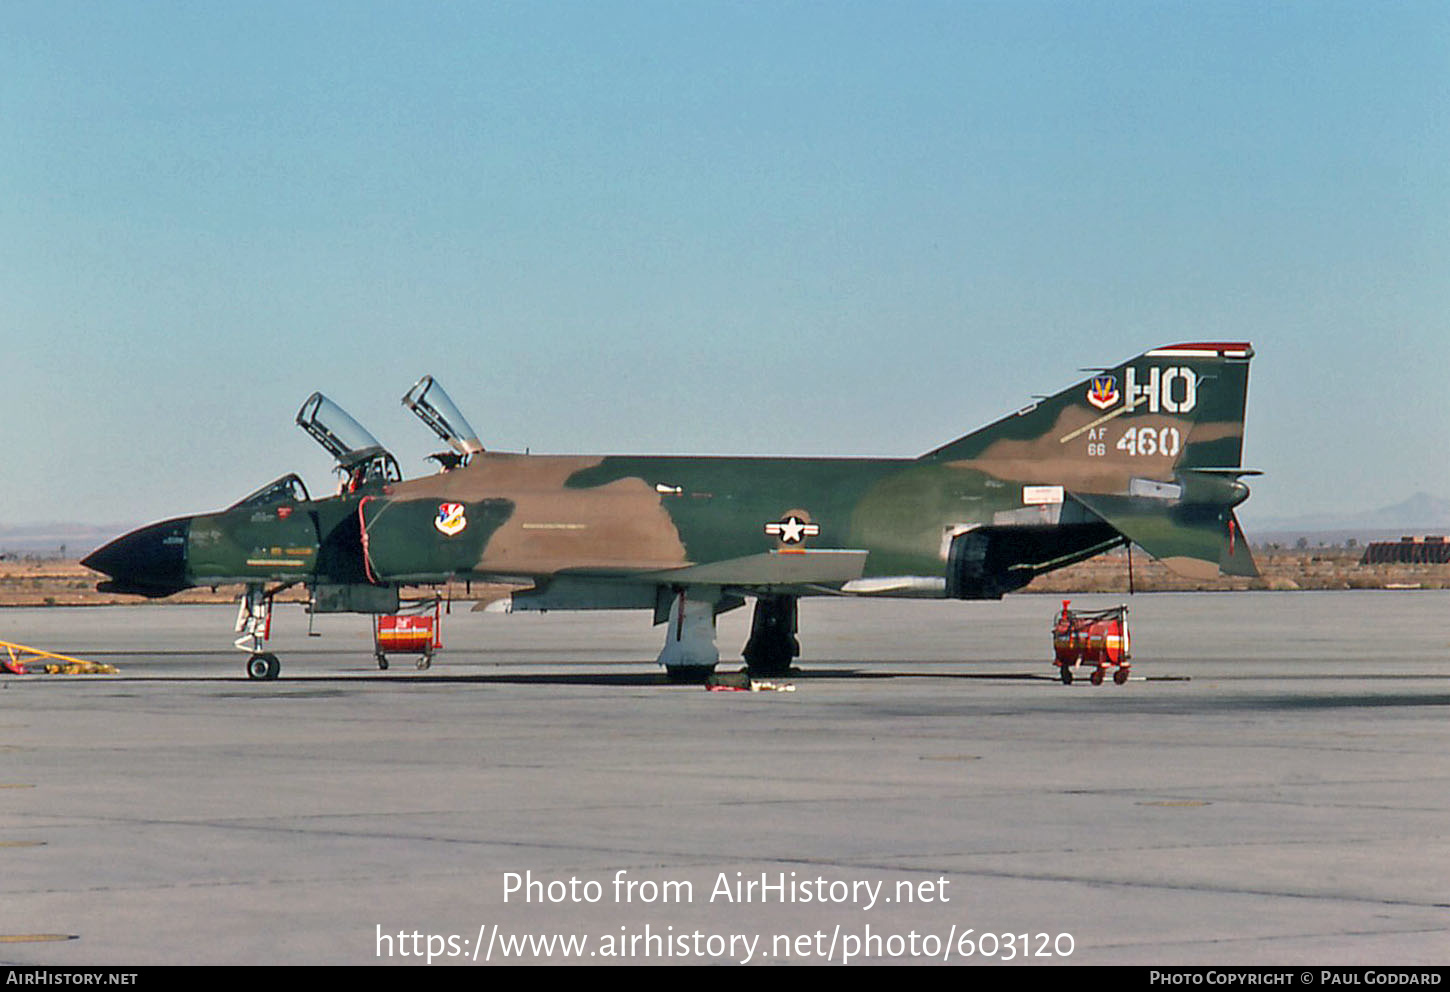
point(434, 407)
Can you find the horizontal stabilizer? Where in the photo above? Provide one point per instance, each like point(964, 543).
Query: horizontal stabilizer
point(1198, 542)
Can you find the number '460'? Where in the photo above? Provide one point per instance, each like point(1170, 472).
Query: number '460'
point(1147, 441)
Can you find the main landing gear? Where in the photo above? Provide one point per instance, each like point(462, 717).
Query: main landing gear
point(690, 654)
point(773, 644)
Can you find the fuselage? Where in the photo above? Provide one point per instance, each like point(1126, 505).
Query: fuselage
point(533, 516)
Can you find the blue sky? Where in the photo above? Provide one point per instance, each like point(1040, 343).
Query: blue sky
point(767, 228)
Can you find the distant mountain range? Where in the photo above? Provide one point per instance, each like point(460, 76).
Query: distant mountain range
point(1420, 514)
point(47, 539)
point(1415, 515)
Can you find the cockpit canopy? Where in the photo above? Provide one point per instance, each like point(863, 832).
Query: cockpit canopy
point(360, 456)
point(362, 459)
point(434, 407)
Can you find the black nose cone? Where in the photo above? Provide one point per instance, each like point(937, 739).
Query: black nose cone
point(146, 562)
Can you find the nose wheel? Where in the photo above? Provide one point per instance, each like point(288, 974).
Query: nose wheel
point(263, 666)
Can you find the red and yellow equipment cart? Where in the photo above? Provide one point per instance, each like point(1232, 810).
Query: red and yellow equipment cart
point(1099, 639)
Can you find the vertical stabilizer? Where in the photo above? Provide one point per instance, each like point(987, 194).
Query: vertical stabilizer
point(1152, 447)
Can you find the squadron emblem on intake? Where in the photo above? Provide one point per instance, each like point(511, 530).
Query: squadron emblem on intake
point(450, 518)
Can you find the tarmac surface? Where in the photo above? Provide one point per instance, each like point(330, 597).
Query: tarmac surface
point(1273, 787)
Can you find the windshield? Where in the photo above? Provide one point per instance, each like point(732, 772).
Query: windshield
point(288, 489)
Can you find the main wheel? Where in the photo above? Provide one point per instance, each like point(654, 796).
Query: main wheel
point(775, 666)
point(1121, 676)
point(1096, 677)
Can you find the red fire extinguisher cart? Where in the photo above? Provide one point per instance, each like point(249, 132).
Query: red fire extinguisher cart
point(1097, 639)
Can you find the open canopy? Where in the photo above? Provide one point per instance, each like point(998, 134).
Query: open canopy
point(358, 453)
point(434, 407)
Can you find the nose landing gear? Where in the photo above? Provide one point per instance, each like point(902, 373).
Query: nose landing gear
point(254, 623)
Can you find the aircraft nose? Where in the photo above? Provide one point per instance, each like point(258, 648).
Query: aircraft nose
point(150, 561)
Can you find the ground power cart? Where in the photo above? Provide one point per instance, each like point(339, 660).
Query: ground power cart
point(1096, 639)
point(408, 633)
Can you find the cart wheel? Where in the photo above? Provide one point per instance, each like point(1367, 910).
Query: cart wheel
point(1065, 673)
point(1096, 677)
point(425, 662)
point(382, 662)
point(1121, 676)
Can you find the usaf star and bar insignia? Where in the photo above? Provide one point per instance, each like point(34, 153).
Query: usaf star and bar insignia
point(793, 530)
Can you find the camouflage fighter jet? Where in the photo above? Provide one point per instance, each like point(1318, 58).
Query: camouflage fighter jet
point(1146, 452)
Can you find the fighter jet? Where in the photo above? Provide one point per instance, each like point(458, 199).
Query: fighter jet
point(1146, 452)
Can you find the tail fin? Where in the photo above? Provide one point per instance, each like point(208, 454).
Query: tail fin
point(1152, 447)
point(1195, 391)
